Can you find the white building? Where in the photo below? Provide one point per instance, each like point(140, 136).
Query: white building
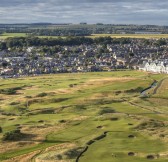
point(155, 66)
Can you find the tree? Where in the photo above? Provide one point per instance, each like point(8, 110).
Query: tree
point(4, 64)
point(3, 46)
point(131, 54)
point(160, 42)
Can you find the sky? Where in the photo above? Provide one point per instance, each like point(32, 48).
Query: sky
point(91, 11)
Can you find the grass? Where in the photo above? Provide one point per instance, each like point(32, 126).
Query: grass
point(7, 35)
point(11, 35)
point(146, 36)
point(117, 145)
point(51, 113)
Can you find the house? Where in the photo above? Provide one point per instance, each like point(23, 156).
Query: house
point(155, 66)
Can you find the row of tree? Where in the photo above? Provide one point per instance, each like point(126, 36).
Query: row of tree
point(21, 42)
point(69, 41)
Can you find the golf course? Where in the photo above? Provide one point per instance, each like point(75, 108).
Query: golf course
point(85, 117)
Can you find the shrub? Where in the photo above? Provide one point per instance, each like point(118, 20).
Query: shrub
point(150, 157)
point(10, 91)
point(0, 129)
point(28, 96)
point(106, 111)
point(114, 119)
point(43, 94)
point(41, 121)
point(136, 90)
point(71, 85)
point(58, 157)
point(13, 135)
point(150, 124)
point(14, 103)
point(62, 121)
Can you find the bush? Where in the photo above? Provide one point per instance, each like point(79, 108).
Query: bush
point(14, 103)
point(136, 90)
point(13, 135)
point(58, 157)
point(28, 96)
point(150, 124)
point(0, 129)
point(114, 119)
point(10, 91)
point(150, 157)
point(106, 111)
point(62, 121)
point(43, 94)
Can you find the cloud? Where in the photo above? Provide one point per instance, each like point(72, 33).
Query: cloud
point(91, 11)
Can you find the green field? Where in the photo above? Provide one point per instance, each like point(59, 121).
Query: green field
point(8, 35)
point(12, 35)
point(58, 116)
point(146, 36)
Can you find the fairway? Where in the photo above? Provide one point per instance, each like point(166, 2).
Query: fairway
point(85, 117)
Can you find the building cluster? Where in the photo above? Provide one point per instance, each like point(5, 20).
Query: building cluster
point(157, 66)
point(85, 58)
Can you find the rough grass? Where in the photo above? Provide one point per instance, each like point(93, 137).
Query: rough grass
point(55, 114)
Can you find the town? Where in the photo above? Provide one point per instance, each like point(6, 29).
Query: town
point(139, 54)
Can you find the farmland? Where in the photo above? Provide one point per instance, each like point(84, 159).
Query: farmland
point(101, 116)
point(145, 36)
point(8, 35)
point(12, 35)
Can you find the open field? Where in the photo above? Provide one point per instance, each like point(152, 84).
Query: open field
point(7, 35)
point(11, 35)
point(101, 116)
point(146, 36)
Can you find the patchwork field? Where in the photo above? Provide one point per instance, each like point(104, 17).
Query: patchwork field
point(85, 117)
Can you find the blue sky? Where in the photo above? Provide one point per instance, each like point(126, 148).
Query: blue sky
point(90, 11)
